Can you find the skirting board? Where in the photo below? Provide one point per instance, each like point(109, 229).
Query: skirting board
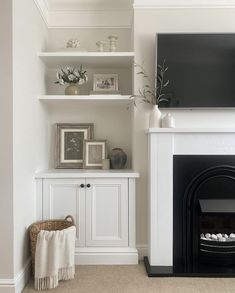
point(106, 256)
point(17, 285)
point(142, 250)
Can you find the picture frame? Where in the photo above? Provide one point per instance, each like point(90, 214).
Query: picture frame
point(69, 144)
point(94, 152)
point(105, 83)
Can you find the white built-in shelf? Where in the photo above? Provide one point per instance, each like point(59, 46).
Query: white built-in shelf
point(84, 97)
point(110, 99)
point(88, 59)
point(83, 173)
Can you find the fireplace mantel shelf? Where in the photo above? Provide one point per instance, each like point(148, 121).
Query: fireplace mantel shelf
point(190, 130)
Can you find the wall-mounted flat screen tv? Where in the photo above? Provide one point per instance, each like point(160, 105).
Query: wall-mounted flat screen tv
point(201, 69)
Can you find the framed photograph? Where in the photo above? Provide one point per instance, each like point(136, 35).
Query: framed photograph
point(94, 152)
point(105, 83)
point(69, 144)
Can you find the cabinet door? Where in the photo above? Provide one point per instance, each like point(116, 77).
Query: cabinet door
point(107, 212)
point(62, 197)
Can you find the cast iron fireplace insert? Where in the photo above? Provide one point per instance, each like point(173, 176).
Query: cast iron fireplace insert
point(204, 215)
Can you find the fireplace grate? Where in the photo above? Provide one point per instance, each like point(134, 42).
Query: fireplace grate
point(217, 252)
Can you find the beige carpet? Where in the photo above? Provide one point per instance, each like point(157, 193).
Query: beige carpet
point(133, 279)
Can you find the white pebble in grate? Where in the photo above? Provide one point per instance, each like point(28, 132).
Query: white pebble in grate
point(214, 237)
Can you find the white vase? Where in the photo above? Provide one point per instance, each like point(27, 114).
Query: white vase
point(155, 117)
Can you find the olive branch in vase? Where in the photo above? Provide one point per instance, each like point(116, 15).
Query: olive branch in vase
point(153, 90)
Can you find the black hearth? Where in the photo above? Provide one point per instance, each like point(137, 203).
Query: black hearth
point(204, 215)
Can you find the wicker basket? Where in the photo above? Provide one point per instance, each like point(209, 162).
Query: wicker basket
point(49, 225)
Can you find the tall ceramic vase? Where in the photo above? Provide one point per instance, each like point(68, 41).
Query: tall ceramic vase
point(155, 117)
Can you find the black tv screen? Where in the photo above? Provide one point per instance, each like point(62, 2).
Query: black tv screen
point(201, 69)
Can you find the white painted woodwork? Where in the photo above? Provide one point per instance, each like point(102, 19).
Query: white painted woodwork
point(38, 208)
point(65, 197)
point(192, 130)
point(163, 144)
point(85, 97)
point(132, 213)
point(85, 173)
point(141, 4)
point(107, 212)
point(104, 213)
point(106, 100)
point(87, 4)
point(106, 256)
point(88, 59)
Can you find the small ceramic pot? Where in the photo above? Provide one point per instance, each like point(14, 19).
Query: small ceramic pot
point(72, 89)
point(100, 46)
point(168, 121)
point(118, 158)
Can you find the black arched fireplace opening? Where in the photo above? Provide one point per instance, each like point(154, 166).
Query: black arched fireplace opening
point(204, 215)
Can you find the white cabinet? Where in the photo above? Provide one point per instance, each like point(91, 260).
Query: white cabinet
point(63, 197)
point(107, 212)
point(103, 207)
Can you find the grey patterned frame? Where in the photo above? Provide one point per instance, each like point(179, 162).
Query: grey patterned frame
point(60, 162)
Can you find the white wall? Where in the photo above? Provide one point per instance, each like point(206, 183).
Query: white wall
point(30, 123)
point(147, 22)
point(88, 38)
point(6, 150)
point(111, 122)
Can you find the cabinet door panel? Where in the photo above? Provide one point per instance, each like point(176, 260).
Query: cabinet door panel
point(107, 212)
point(65, 197)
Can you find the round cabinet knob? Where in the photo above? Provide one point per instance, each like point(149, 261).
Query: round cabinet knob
point(88, 185)
point(82, 185)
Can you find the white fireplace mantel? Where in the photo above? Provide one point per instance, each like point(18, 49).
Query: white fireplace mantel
point(163, 144)
point(190, 130)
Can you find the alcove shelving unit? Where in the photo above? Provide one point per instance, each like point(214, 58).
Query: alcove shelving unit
point(108, 112)
point(101, 201)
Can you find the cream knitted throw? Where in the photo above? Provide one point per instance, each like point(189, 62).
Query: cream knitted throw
point(54, 257)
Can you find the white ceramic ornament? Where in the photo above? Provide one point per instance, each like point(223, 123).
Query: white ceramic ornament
point(168, 121)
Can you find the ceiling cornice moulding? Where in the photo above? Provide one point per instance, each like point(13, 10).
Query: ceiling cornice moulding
point(150, 4)
point(84, 18)
point(43, 9)
point(63, 5)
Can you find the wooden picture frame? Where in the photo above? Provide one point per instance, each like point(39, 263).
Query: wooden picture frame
point(69, 144)
point(94, 152)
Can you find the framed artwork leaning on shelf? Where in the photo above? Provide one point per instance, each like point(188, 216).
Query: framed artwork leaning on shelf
point(94, 152)
point(69, 144)
point(105, 84)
